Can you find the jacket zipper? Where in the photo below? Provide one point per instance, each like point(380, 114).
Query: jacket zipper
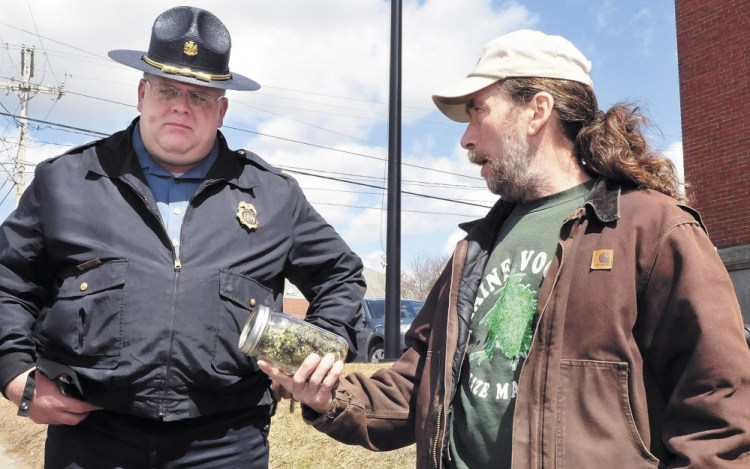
point(177, 267)
point(162, 404)
point(436, 443)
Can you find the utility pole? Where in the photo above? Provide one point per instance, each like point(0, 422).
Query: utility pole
point(393, 244)
point(26, 90)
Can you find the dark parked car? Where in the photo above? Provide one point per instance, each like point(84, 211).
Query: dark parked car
point(370, 331)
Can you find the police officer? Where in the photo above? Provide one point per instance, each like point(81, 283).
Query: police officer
point(132, 263)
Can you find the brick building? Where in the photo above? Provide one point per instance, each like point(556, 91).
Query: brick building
point(713, 45)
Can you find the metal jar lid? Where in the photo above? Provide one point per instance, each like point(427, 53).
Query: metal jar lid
point(253, 330)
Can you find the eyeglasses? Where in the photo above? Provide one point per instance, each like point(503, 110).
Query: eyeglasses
point(168, 95)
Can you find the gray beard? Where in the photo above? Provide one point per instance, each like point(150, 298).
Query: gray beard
point(512, 177)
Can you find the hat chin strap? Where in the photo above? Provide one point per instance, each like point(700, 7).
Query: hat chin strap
point(186, 72)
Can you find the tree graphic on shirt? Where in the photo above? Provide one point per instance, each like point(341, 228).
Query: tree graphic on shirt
point(509, 322)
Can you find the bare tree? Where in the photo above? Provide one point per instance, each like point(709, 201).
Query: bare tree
point(421, 275)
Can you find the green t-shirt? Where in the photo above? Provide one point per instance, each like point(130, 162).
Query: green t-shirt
point(501, 333)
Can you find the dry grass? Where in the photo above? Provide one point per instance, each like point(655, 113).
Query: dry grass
point(294, 444)
point(22, 439)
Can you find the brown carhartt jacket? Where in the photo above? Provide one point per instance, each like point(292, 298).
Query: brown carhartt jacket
point(638, 357)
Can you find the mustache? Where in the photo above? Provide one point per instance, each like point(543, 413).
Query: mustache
point(476, 157)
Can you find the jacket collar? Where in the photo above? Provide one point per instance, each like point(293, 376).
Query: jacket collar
point(115, 158)
point(604, 200)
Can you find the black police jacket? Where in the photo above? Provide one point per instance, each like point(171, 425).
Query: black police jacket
point(90, 280)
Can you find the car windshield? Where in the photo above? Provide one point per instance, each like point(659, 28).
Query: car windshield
point(409, 308)
point(377, 308)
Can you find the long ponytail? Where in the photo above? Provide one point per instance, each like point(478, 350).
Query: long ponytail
point(610, 144)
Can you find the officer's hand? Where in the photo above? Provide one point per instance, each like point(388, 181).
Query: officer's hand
point(49, 405)
point(313, 383)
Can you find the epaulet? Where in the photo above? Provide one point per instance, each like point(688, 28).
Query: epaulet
point(259, 162)
point(72, 151)
point(82, 148)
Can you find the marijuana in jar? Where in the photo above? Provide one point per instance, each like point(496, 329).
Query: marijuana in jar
point(286, 341)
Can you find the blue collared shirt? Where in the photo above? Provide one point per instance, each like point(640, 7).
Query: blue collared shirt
point(172, 193)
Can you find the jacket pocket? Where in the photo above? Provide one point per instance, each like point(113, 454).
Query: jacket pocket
point(238, 293)
point(595, 424)
point(84, 325)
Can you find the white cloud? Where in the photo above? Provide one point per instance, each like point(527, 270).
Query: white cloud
point(674, 153)
point(450, 243)
point(324, 70)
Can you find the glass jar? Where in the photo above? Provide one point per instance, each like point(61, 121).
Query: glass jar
point(286, 341)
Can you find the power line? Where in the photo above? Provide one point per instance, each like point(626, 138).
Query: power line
point(405, 181)
point(304, 92)
point(36, 34)
point(41, 42)
point(93, 133)
point(426, 168)
point(90, 132)
point(423, 212)
point(383, 188)
point(50, 39)
point(282, 138)
point(309, 124)
point(338, 150)
point(105, 100)
point(101, 134)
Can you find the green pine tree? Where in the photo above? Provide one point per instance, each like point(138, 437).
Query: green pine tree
point(509, 322)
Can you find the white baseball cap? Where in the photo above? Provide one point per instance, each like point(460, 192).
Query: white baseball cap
point(522, 53)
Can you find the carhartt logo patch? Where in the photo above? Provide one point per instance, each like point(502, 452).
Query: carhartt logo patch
point(602, 259)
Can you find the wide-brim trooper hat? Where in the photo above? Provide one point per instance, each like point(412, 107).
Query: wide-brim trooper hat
point(522, 53)
point(188, 45)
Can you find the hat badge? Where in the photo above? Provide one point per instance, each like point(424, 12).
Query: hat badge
point(190, 49)
point(247, 215)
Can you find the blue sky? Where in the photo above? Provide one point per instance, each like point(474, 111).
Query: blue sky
point(322, 110)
